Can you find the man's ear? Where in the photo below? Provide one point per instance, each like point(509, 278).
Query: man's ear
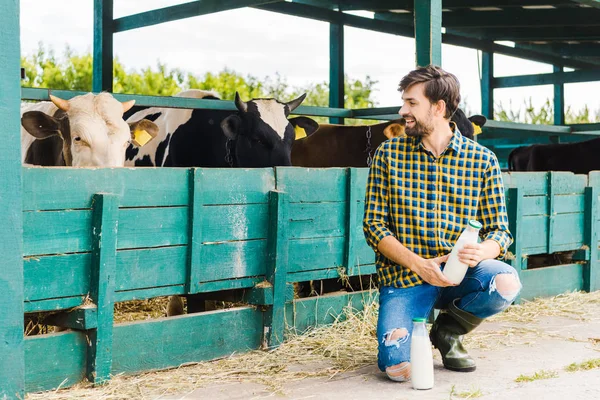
point(142, 131)
point(231, 126)
point(40, 125)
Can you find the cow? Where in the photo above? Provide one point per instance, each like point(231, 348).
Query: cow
point(353, 146)
point(579, 158)
point(257, 135)
point(86, 131)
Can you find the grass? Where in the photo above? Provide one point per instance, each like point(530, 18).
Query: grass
point(584, 366)
point(542, 374)
point(473, 393)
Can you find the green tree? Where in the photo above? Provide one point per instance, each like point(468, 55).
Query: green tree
point(543, 115)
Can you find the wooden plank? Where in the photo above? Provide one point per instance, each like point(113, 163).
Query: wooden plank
point(54, 304)
point(170, 342)
point(514, 208)
point(278, 253)
point(317, 220)
point(547, 79)
point(329, 273)
point(568, 231)
point(102, 79)
point(54, 360)
point(81, 319)
point(591, 271)
point(236, 185)
point(486, 83)
point(312, 185)
point(102, 285)
point(532, 183)
point(233, 260)
point(72, 188)
point(336, 69)
point(195, 229)
point(353, 201)
point(311, 254)
point(236, 222)
point(147, 268)
point(550, 281)
point(428, 32)
point(552, 187)
point(58, 232)
point(567, 182)
point(11, 241)
point(45, 277)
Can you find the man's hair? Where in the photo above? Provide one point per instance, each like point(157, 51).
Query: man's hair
point(437, 84)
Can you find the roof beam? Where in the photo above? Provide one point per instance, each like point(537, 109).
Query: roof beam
point(529, 34)
point(521, 18)
point(181, 11)
point(591, 3)
point(546, 79)
point(565, 49)
point(447, 4)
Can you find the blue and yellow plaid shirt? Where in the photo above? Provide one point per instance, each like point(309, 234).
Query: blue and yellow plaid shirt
point(426, 202)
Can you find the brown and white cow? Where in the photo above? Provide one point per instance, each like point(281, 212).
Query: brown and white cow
point(85, 131)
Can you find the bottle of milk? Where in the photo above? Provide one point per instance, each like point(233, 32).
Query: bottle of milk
point(421, 357)
point(455, 270)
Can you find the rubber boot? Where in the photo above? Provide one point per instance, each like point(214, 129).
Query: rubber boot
point(446, 336)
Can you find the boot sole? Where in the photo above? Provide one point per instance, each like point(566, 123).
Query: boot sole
point(469, 369)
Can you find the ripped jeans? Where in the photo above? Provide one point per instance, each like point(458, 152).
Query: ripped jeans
point(477, 295)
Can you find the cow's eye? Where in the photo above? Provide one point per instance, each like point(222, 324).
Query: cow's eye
point(77, 139)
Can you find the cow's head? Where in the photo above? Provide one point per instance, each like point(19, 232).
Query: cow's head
point(92, 128)
point(260, 133)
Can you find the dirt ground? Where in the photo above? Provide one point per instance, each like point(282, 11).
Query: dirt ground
point(521, 354)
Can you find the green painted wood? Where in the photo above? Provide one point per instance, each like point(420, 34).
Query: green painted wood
point(277, 267)
point(568, 234)
point(11, 239)
point(236, 222)
point(56, 276)
point(239, 186)
point(551, 281)
point(170, 342)
point(54, 304)
point(195, 227)
point(531, 183)
point(241, 283)
point(261, 296)
point(514, 208)
point(559, 99)
point(148, 268)
point(312, 185)
point(54, 360)
point(552, 186)
point(353, 201)
point(317, 220)
point(487, 86)
point(511, 129)
point(181, 11)
point(81, 319)
point(547, 79)
point(233, 260)
point(336, 69)
point(311, 254)
point(102, 79)
point(329, 273)
point(428, 32)
point(73, 188)
point(102, 285)
point(591, 271)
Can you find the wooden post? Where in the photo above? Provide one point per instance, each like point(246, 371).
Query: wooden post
point(514, 208)
point(590, 274)
point(352, 198)
point(336, 69)
point(276, 268)
point(559, 100)
point(12, 360)
point(551, 211)
point(102, 285)
point(428, 32)
point(195, 229)
point(102, 79)
point(487, 86)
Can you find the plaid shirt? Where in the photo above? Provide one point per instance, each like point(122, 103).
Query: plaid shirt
point(427, 202)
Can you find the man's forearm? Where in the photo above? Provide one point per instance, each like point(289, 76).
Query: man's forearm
point(490, 248)
point(391, 247)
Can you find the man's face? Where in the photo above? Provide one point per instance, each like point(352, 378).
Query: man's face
point(417, 111)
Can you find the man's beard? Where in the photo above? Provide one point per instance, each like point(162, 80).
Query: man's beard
point(420, 129)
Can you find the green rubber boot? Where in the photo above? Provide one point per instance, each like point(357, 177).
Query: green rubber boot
point(446, 336)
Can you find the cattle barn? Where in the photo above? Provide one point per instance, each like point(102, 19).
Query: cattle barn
point(77, 239)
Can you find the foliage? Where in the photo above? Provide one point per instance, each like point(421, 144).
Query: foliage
point(544, 115)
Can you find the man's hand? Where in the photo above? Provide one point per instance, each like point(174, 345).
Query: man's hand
point(429, 271)
point(471, 254)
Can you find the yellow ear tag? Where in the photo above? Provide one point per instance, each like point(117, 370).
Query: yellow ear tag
point(476, 129)
point(300, 132)
point(141, 137)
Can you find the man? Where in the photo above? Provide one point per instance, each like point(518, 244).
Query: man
point(422, 190)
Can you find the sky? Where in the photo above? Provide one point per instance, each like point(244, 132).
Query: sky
point(261, 43)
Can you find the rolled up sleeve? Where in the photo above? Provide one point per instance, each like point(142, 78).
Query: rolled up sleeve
point(376, 218)
point(492, 209)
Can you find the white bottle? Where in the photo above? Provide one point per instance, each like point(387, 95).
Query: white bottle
point(455, 270)
point(421, 357)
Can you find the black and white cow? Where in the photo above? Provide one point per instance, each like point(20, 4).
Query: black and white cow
point(85, 131)
point(579, 157)
point(257, 135)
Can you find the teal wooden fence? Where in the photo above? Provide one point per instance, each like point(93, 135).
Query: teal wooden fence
point(95, 237)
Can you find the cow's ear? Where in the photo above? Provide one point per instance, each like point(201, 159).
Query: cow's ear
point(142, 131)
point(304, 126)
point(40, 125)
point(231, 126)
point(478, 120)
point(394, 130)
